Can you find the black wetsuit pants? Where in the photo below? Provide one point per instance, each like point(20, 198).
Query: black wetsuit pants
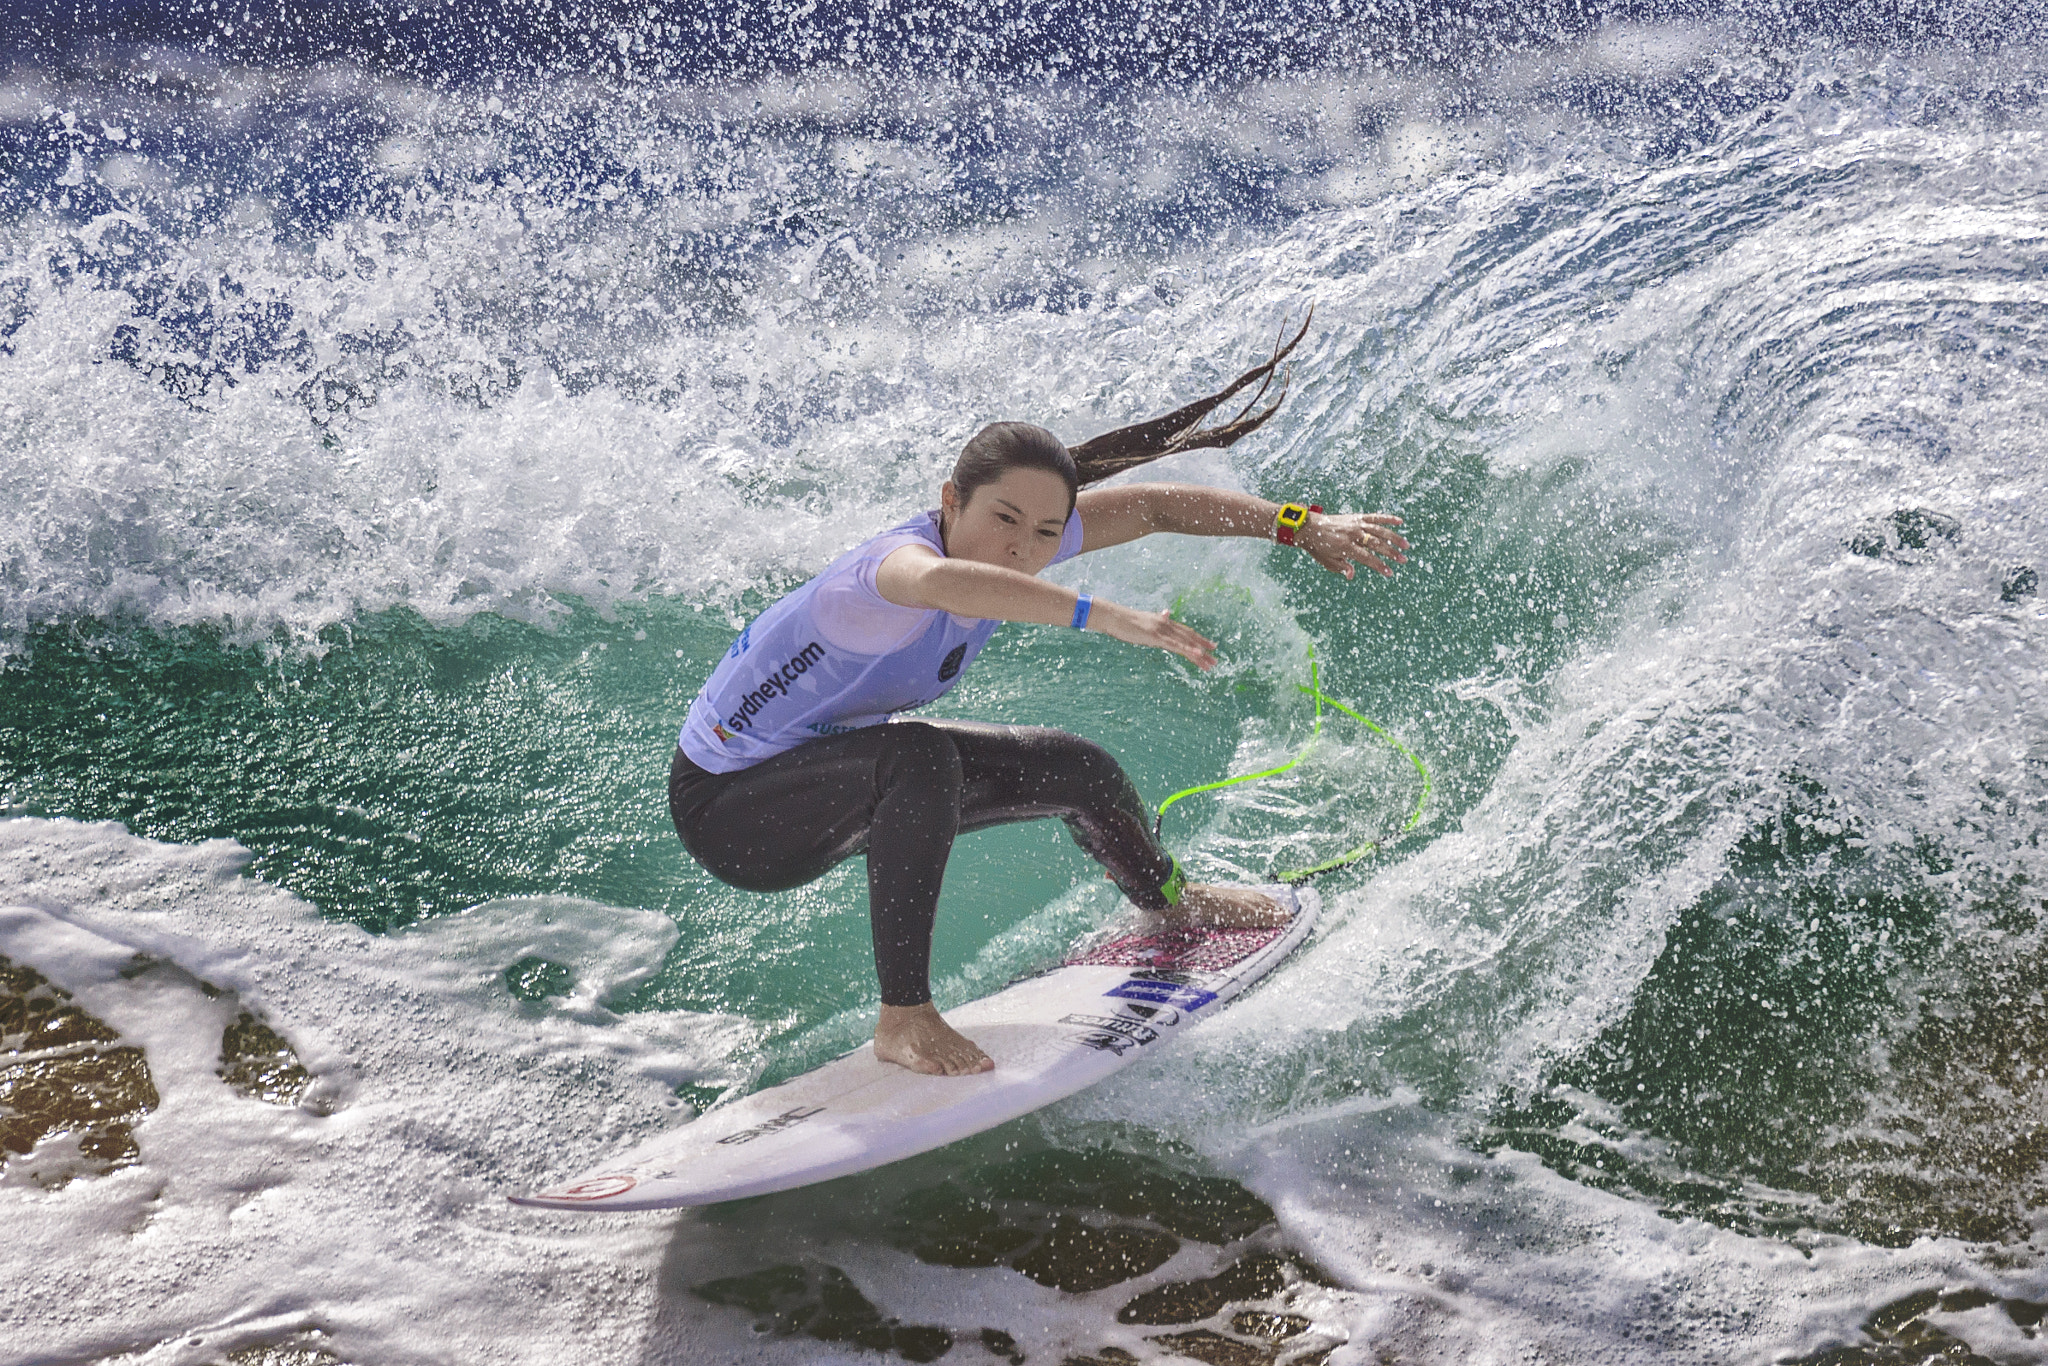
point(900, 792)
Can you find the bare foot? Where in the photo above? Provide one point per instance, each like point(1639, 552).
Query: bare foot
point(1205, 903)
point(915, 1037)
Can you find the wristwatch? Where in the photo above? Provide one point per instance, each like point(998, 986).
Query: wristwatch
point(1292, 518)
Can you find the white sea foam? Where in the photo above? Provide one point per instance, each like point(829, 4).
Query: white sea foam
point(1761, 654)
point(370, 1218)
point(1485, 1261)
point(508, 382)
point(1737, 358)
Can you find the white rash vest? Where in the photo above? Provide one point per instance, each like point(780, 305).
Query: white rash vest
point(835, 655)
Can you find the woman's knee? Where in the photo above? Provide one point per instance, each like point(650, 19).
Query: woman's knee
point(916, 752)
point(1070, 759)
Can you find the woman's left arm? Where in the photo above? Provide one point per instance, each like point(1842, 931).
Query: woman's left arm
point(1335, 541)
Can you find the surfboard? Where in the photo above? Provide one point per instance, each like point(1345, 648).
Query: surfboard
point(1107, 1006)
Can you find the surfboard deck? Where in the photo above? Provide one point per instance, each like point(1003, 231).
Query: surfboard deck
point(1102, 1009)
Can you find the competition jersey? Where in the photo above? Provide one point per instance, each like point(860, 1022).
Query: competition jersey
point(835, 655)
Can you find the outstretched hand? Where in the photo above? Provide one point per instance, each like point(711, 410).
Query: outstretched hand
point(1157, 629)
point(1340, 541)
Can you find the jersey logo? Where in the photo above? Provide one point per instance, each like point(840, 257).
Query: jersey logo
point(951, 664)
point(774, 685)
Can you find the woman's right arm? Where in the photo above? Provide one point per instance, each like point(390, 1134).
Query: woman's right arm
point(917, 576)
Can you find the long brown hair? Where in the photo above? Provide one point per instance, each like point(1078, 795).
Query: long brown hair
point(1004, 446)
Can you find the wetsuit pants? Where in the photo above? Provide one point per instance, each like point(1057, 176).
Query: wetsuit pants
point(900, 792)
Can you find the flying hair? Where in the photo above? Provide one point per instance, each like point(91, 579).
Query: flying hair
point(1126, 448)
point(1003, 446)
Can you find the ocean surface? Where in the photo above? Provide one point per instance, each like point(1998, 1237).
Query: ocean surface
point(389, 444)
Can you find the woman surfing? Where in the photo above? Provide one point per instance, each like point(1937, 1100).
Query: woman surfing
point(785, 766)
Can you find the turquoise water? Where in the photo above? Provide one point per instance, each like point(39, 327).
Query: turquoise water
point(408, 770)
point(399, 770)
point(392, 544)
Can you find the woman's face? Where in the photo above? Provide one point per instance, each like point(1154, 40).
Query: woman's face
point(1014, 522)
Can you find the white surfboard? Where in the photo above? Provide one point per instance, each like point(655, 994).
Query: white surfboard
point(1051, 1035)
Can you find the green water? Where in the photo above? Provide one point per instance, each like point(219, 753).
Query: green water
point(408, 770)
point(411, 771)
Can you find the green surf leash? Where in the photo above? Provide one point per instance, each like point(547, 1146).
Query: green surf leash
point(1314, 688)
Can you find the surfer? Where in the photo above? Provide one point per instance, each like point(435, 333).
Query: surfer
point(784, 767)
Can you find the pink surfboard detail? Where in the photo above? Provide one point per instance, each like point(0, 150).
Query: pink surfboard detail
point(1191, 949)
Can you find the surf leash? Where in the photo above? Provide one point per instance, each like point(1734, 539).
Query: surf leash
point(1314, 688)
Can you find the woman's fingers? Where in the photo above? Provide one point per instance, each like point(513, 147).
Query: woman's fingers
point(1190, 645)
point(1364, 538)
point(1157, 629)
point(1336, 564)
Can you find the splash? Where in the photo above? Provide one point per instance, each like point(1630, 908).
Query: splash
point(1705, 370)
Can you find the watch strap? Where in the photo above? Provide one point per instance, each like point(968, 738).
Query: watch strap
point(1291, 518)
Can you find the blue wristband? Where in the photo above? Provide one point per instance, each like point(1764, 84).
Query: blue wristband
point(1081, 606)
